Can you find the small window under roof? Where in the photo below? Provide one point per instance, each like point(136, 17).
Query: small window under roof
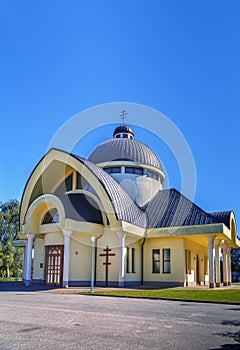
point(133, 170)
point(112, 170)
point(51, 217)
point(65, 186)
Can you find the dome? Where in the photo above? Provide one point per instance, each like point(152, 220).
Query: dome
point(125, 149)
point(123, 130)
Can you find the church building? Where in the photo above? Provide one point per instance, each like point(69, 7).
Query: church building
point(108, 220)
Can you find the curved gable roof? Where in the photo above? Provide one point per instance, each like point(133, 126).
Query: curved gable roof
point(124, 208)
point(222, 216)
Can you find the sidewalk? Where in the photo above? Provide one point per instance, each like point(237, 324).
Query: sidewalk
point(15, 286)
point(20, 287)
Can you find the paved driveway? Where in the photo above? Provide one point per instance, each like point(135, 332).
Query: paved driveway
point(45, 320)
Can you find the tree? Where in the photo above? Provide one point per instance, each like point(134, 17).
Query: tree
point(10, 256)
point(235, 259)
point(9, 220)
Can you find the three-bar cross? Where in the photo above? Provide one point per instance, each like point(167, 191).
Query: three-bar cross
point(107, 262)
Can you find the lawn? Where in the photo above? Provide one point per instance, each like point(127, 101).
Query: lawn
point(10, 279)
point(213, 295)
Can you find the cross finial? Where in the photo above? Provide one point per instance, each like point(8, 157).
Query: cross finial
point(123, 115)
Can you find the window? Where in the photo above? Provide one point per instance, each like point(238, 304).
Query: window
point(166, 261)
point(51, 217)
point(133, 260)
point(123, 136)
point(65, 186)
point(82, 183)
point(127, 261)
point(113, 170)
point(116, 170)
point(138, 171)
point(152, 175)
point(130, 170)
point(187, 261)
point(89, 188)
point(130, 259)
point(156, 261)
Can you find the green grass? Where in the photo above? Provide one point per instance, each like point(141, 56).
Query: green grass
point(213, 295)
point(10, 279)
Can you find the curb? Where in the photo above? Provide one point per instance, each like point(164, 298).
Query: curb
point(152, 298)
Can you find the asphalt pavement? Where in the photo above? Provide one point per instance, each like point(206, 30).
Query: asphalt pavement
point(38, 319)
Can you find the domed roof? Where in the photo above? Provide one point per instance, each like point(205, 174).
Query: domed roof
point(124, 149)
point(123, 129)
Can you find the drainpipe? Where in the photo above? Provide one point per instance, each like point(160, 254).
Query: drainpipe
point(142, 261)
point(95, 264)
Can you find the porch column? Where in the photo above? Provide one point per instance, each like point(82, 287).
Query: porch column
point(229, 266)
point(121, 263)
point(24, 263)
point(28, 256)
point(211, 261)
point(217, 262)
point(67, 235)
point(225, 264)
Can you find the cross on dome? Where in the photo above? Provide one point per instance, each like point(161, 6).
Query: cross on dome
point(123, 116)
point(123, 131)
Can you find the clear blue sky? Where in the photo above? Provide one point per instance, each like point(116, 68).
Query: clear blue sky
point(179, 57)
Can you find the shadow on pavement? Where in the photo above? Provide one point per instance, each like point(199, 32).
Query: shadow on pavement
point(232, 335)
point(228, 346)
point(15, 286)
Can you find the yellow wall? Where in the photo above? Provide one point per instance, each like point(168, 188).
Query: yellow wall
point(80, 257)
point(56, 238)
point(111, 240)
point(176, 245)
point(201, 252)
point(39, 257)
point(136, 244)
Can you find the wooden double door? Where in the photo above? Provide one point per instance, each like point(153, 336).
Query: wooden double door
point(54, 265)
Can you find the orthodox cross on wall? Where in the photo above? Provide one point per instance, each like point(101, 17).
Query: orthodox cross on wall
point(107, 262)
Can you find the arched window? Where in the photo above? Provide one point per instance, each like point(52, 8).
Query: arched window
point(51, 217)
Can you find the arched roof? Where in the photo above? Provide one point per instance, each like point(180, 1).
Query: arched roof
point(119, 203)
point(124, 149)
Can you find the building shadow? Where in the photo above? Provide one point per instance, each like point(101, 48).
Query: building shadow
point(15, 286)
point(230, 335)
point(231, 322)
point(228, 347)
